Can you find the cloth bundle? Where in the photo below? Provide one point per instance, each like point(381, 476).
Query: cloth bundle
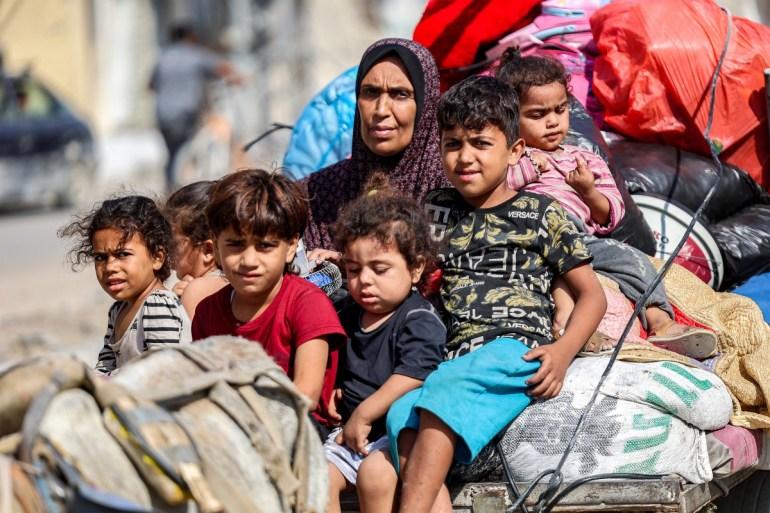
point(744, 342)
point(218, 424)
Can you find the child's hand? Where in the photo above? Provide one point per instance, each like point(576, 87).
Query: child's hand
point(581, 179)
point(333, 401)
point(355, 433)
point(319, 255)
point(182, 284)
point(548, 380)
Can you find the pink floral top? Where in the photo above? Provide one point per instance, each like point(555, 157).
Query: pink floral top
point(552, 183)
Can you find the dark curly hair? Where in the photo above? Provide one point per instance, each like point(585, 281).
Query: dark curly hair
point(521, 73)
point(130, 215)
point(186, 210)
point(388, 219)
point(480, 101)
point(258, 203)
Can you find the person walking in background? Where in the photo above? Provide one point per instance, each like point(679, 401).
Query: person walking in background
point(179, 81)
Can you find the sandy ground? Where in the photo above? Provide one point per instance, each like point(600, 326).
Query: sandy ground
point(44, 305)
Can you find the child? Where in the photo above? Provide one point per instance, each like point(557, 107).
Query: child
point(195, 263)
point(501, 250)
point(396, 339)
point(131, 244)
point(582, 183)
point(256, 219)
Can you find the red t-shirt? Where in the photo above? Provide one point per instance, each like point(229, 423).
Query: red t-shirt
point(299, 312)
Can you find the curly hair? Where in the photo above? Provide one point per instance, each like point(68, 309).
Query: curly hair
point(388, 219)
point(186, 210)
point(131, 215)
point(257, 202)
point(521, 73)
point(480, 101)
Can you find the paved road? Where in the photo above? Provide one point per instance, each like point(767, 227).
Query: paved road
point(44, 305)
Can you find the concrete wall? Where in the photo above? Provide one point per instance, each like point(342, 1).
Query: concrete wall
point(125, 52)
point(55, 39)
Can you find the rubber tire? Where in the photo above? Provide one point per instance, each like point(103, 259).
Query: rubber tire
point(751, 496)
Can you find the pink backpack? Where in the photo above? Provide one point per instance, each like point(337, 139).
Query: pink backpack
point(562, 31)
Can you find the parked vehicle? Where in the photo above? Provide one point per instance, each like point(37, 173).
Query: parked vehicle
point(47, 153)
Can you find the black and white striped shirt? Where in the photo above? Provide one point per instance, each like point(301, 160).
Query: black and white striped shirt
point(161, 320)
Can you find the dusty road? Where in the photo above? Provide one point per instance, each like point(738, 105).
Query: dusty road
point(44, 305)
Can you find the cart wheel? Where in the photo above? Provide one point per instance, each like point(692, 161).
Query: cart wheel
point(751, 496)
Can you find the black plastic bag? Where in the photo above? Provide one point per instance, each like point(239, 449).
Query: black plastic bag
point(744, 239)
point(685, 178)
point(738, 216)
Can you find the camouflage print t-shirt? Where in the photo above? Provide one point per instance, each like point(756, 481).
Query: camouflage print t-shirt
point(498, 264)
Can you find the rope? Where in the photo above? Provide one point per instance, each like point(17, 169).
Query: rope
point(273, 127)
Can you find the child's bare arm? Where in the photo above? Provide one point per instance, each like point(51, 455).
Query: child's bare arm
point(599, 207)
point(198, 289)
point(356, 431)
point(309, 368)
point(563, 304)
point(590, 305)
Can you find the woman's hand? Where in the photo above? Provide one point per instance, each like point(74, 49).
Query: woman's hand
point(539, 161)
point(355, 433)
point(319, 255)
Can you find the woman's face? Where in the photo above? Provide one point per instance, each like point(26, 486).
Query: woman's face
point(387, 107)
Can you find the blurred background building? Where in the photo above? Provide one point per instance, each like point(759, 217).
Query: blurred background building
point(97, 55)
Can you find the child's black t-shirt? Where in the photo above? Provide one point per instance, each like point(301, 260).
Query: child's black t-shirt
point(410, 343)
point(498, 264)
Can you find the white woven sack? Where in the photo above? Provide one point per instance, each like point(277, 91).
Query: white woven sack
point(618, 436)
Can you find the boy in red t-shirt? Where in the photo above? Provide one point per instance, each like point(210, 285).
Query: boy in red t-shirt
point(256, 218)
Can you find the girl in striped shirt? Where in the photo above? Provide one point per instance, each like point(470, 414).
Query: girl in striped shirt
point(130, 244)
point(583, 184)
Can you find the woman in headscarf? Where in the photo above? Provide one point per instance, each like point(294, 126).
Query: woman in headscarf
point(395, 137)
point(395, 133)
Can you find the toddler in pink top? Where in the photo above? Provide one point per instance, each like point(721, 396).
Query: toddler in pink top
point(558, 175)
point(583, 184)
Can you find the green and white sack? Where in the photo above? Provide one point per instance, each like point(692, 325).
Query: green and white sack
point(638, 424)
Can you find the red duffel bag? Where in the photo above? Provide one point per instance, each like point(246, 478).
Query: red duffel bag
point(456, 30)
point(654, 72)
